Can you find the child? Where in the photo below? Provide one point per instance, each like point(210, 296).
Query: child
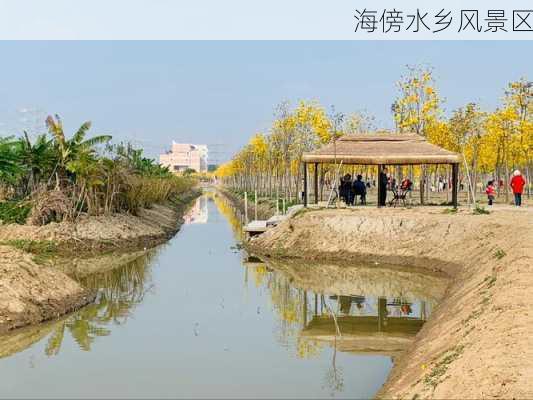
point(491, 192)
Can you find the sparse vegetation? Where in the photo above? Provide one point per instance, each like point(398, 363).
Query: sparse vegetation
point(449, 211)
point(14, 212)
point(42, 250)
point(499, 254)
point(440, 368)
point(480, 211)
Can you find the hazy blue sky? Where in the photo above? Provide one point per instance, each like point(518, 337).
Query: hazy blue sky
point(222, 92)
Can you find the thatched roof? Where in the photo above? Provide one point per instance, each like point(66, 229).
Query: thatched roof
point(374, 149)
point(361, 334)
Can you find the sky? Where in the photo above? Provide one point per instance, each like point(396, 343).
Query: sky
point(221, 92)
point(230, 19)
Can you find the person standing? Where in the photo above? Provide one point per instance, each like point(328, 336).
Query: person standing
point(359, 189)
point(491, 192)
point(517, 184)
point(383, 180)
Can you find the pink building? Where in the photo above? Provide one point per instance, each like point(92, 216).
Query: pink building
point(183, 156)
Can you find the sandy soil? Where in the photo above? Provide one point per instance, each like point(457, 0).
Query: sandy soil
point(477, 343)
point(31, 293)
point(106, 232)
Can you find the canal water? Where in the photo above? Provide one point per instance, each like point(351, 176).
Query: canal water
point(198, 318)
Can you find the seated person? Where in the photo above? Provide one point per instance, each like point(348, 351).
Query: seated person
point(406, 185)
point(359, 189)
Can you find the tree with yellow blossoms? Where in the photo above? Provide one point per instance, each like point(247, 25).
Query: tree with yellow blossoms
point(492, 143)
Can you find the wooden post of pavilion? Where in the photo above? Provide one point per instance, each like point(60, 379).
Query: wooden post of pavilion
point(380, 167)
point(305, 184)
point(455, 180)
point(316, 183)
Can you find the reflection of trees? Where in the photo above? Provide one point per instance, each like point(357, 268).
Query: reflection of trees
point(119, 291)
point(290, 304)
point(232, 215)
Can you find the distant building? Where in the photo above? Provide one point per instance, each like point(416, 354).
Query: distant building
point(183, 156)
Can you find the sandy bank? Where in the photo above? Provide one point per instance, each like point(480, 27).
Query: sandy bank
point(120, 231)
point(32, 293)
point(477, 343)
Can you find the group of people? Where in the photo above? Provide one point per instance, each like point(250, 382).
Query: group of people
point(349, 190)
point(517, 185)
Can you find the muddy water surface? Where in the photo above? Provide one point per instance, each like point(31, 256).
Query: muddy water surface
point(198, 318)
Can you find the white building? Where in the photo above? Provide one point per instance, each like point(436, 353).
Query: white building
point(183, 156)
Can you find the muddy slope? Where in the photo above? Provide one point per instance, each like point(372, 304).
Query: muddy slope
point(31, 293)
point(477, 343)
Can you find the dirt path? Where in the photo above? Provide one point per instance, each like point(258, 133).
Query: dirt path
point(477, 343)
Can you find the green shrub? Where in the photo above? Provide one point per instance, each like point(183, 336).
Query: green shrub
point(13, 212)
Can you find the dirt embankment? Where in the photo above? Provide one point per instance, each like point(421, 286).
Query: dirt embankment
point(32, 293)
point(477, 343)
point(120, 231)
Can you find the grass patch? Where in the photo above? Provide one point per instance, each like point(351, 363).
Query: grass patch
point(480, 211)
point(14, 212)
point(42, 250)
point(440, 368)
point(499, 254)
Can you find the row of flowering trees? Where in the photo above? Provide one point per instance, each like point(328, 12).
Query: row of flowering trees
point(492, 143)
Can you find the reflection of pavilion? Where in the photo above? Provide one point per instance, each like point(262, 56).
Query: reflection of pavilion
point(198, 214)
point(355, 332)
point(375, 310)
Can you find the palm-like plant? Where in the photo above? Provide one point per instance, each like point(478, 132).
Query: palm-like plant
point(36, 159)
point(70, 150)
point(9, 167)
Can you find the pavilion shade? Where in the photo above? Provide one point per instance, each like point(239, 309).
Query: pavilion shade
point(376, 149)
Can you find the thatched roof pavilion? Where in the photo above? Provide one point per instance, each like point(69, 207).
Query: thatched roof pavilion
point(382, 149)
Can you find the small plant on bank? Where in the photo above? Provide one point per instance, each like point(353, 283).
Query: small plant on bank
point(480, 211)
point(499, 254)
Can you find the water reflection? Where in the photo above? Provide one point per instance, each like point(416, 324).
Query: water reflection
point(359, 309)
point(330, 321)
point(198, 213)
point(364, 310)
point(119, 292)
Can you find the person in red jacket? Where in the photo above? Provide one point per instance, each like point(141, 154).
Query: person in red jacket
point(517, 183)
point(491, 192)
